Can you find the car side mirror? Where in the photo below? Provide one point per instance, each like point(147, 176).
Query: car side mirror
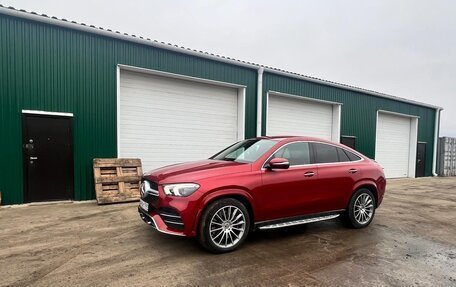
point(278, 163)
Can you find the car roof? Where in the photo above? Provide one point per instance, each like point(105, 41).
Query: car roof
point(295, 138)
point(287, 139)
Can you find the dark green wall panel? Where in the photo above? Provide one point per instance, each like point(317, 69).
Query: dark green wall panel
point(50, 68)
point(359, 111)
point(45, 67)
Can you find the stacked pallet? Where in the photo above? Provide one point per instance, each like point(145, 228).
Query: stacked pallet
point(117, 180)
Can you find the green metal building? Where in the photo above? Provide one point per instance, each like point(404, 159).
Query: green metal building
point(79, 92)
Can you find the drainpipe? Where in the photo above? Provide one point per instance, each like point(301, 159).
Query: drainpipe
point(436, 140)
point(259, 100)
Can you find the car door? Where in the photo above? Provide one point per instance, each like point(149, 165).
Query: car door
point(337, 175)
point(289, 192)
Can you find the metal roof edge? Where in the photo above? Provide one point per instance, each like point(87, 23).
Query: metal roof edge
point(351, 88)
point(122, 36)
point(11, 11)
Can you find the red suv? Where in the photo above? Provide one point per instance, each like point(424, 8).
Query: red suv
point(262, 183)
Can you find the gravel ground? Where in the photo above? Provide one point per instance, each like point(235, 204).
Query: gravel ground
point(411, 242)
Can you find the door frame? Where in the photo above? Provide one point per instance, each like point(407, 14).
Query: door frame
point(413, 139)
point(425, 147)
point(241, 94)
point(45, 114)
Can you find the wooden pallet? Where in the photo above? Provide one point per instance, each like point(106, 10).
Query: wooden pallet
point(117, 180)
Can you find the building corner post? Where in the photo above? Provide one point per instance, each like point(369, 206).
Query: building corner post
point(436, 140)
point(259, 101)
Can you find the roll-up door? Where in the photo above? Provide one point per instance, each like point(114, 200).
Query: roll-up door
point(164, 120)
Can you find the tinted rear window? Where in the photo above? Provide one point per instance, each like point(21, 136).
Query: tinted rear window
point(342, 155)
point(325, 153)
point(352, 156)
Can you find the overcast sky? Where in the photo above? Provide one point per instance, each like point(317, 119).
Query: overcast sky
point(404, 48)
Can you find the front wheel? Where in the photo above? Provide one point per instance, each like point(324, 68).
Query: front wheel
point(361, 209)
point(224, 225)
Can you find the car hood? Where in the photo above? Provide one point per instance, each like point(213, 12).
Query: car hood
point(193, 171)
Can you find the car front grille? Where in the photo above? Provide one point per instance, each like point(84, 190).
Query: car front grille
point(148, 189)
point(171, 218)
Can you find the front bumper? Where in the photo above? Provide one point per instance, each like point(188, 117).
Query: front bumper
point(169, 214)
point(153, 219)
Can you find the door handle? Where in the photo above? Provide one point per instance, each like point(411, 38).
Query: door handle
point(309, 174)
point(33, 158)
point(352, 170)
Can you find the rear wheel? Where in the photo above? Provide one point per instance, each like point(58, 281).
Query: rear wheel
point(224, 225)
point(361, 209)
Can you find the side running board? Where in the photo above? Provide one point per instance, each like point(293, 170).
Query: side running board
point(299, 221)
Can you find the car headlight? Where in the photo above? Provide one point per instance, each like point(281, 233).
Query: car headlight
point(180, 189)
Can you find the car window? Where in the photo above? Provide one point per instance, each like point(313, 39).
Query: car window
point(245, 151)
point(297, 153)
point(342, 155)
point(325, 153)
point(352, 156)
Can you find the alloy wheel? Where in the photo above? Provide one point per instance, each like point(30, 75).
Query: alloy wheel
point(363, 208)
point(227, 226)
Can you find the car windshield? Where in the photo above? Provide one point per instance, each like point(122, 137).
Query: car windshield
point(246, 151)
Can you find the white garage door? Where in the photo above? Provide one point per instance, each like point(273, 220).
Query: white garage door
point(294, 116)
point(165, 120)
point(393, 145)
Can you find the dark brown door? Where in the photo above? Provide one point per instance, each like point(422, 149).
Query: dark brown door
point(348, 141)
point(48, 158)
point(420, 160)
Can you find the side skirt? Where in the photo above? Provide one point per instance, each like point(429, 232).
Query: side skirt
point(297, 220)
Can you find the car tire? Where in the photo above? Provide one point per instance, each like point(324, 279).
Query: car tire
point(224, 225)
point(361, 209)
